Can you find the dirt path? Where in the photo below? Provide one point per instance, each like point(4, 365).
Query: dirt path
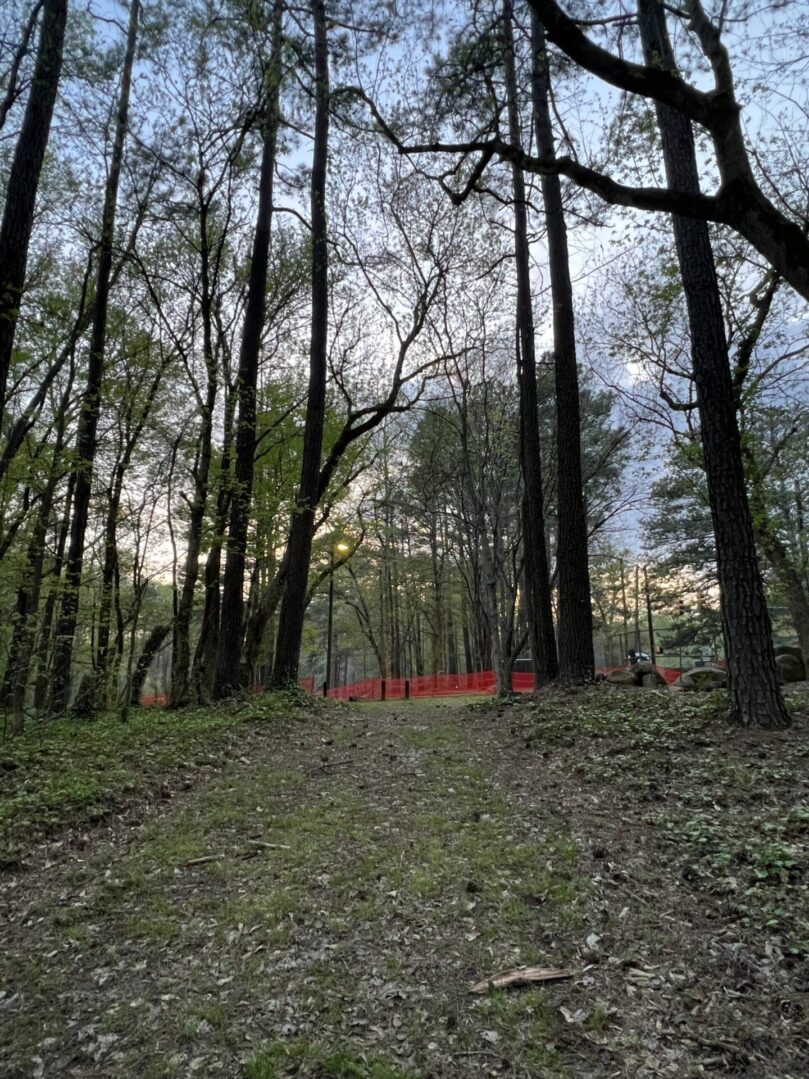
point(321, 905)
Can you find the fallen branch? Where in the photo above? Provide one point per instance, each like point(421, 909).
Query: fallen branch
point(517, 976)
point(329, 764)
point(258, 845)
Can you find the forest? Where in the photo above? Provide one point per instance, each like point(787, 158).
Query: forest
point(403, 406)
point(398, 308)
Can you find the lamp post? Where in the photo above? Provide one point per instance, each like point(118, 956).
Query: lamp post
point(342, 548)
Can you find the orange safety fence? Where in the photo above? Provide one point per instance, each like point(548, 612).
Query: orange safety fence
point(425, 685)
point(448, 685)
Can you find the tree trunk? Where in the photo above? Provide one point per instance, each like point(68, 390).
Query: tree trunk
point(18, 667)
point(44, 650)
point(23, 179)
point(110, 573)
point(181, 650)
point(261, 617)
point(207, 647)
point(778, 555)
point(574, 620)
point(227, 678)
point(437, 617)
point(15, 681)
point(500, 652)
point(537, 576)
point(86, 437)
point(152, 645)
point(467, 641)
point(755, 696)
point(299, 550)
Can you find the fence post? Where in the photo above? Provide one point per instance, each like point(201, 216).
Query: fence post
point(382, 690)
point(407, 689)
point(325, 689)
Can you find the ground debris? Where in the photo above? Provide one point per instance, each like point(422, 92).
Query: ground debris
point(515, 977)
point(671, 875)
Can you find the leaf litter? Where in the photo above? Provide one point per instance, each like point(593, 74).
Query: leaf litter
point(607, 838)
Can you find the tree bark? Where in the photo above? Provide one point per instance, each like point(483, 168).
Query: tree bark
point(778, 555)
point(181, 651)
point(261, 617)
point(15, 681)
point(204, 664)
point(299, 550)
point(86, 437)
point(44, 650)
point(537, 575)
point(152, 645)
point(755, 696)
point(574, 618)
point(23, 180)
point(227, 678)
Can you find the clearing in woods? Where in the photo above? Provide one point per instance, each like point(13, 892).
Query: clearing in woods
point(312, 892)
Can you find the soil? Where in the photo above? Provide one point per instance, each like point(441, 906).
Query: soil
point(320, 903)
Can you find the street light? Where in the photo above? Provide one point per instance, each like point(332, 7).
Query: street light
point(342, 548)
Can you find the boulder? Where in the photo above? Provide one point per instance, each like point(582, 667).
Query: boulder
point(622, 678)
point(702, 678)
point(793, 663)
point(652, 680)
point(790, 667)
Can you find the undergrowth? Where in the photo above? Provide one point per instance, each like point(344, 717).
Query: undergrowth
point(73, 772)
point(729, 809)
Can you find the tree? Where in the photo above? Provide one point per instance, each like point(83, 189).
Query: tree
point(231, 618)
point(739, 202)
point(23, 180)
point(755, 697)
point(86, 438)
point(537, 575)
point(574, 612)
point(293, 605)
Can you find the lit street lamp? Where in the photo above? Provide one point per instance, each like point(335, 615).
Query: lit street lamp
point(341, 547)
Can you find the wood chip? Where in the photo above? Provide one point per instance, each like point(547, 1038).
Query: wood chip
point(516, 976)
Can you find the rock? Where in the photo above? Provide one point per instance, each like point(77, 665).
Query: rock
point(639, 674)
point(791, 663)
point(652, 680)
point(702, 678)
point(622, 678)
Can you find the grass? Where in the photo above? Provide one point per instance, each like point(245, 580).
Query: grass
point(73, 772)
point(367, 869)
point(728, 808)
point(307, 1058)
point(353, 867)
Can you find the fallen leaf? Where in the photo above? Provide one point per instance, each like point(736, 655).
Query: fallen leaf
point(577, 1017)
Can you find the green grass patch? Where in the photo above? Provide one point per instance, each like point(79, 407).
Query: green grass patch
point(72, 772)
point(304, 1058)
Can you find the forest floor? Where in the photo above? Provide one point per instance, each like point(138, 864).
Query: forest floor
point(311, 890)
